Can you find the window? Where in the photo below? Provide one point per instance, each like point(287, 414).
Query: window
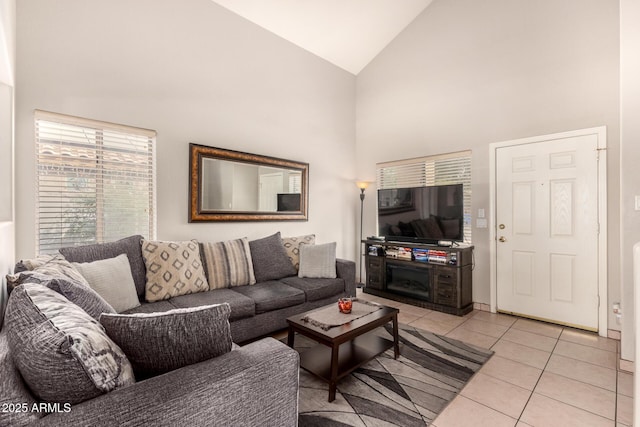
point(452, 168)
point(95, 181)
point(295, 182)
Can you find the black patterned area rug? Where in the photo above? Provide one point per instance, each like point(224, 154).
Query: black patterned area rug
point(409, 391)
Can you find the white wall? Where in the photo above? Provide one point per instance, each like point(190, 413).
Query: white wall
point(7, 73)
point(194, 72)
point(465, 74)
point(629, 161)
point(7, 41)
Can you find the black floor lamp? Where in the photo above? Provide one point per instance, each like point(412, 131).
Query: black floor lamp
point(362, 185)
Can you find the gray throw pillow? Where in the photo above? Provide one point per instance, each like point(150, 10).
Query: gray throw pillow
point(80, 294)
point(270, 260)
point(61, 352)
point(318, 261)
point(156, 343)
point(111, 278)
point(129, 245)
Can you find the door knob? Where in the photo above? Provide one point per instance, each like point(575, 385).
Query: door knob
point(502, 239)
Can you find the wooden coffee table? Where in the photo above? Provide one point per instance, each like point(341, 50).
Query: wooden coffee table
point(343, 349)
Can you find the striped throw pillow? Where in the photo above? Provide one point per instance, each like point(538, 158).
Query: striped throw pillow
point(228, 264)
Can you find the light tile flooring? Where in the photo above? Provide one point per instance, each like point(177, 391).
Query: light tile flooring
point(540, 374)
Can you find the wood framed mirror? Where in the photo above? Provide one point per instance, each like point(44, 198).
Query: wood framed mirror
point(229, 185)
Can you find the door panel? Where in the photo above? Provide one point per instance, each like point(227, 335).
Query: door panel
point(523, 269)
point(547, 211)
point(523, 208)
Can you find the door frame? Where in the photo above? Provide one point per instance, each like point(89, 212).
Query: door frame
point(601, 133)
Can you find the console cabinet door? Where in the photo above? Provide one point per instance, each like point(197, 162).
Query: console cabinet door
point(375, 272)
point(445, 281)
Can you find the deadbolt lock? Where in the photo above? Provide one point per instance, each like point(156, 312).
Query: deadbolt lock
point(501, 226)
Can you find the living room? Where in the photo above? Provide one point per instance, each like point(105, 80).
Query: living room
point(461, 76)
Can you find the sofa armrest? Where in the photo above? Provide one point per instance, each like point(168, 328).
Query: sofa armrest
point(346, 270)
point(254, 385)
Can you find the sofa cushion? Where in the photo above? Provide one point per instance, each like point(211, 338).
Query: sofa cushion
point(156, 343)
point(318, 261)
point(128, 245)
point(316, 289)
point(228, 264)
point(272, 295)
point(292, 247)
point(80, 294)
point(62, 353)
point(173, 268)
point(13, 391)
point(241, 306)
point(270, 260)
point(112, 279)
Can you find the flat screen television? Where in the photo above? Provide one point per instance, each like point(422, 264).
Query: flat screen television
point(288, 202)
point(421, 214)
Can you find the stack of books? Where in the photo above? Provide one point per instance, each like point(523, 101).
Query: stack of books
point(436, 256)
point(404, 253)
point(420, 255)
point(399, 252)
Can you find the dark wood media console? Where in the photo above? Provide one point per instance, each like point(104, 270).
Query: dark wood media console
point(429, 276)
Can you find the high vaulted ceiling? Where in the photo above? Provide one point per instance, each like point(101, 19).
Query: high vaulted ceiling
point(347, 33)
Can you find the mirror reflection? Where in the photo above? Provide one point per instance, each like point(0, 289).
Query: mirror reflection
point(230, 185)
point(236, 186)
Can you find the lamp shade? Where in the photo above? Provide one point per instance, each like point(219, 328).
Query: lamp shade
point(362, 184)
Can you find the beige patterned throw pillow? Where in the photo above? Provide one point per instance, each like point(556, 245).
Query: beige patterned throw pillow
point(292, 246)
point(173, 269)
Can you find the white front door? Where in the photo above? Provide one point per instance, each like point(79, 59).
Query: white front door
point(547, 230)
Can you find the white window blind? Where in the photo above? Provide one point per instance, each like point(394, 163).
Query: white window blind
point(451, 168)
point(95, 181)
point(295, 182)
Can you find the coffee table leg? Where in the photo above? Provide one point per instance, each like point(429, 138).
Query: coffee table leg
point(333, 381)
point(396, 343)
point(290, 337)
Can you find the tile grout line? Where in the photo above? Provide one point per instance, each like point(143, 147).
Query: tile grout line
point(548, 397)
point(538, 381)
point(480, 371)
point(544, 369)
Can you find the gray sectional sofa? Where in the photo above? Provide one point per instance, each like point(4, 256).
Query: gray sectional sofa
point(254, 384)
point(256, 310)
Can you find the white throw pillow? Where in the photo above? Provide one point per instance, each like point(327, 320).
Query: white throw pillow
point(112, 279)
point(318, 261)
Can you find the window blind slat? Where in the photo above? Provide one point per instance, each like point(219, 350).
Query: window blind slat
point(95, 181)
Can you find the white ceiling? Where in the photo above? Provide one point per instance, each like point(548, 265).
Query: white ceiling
point(347, 33)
